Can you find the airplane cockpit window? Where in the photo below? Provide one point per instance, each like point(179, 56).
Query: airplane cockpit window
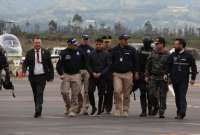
point(10, 42)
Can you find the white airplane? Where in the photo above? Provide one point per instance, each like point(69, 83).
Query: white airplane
point(12, 46)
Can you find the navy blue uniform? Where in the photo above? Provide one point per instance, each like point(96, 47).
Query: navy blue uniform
point(179, 67)
point(98, 62)
point(124, 59)
point(87, 50)
point(70, 61)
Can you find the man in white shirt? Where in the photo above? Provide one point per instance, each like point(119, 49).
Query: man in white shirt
point(38, 61)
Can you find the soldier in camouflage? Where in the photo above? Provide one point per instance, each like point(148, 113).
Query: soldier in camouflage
point(156, 75)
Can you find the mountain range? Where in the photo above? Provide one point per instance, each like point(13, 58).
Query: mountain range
point(132, 13)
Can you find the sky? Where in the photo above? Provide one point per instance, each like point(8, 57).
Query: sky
point(129, 12)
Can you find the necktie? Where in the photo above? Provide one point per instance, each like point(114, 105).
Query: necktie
point(38, 56)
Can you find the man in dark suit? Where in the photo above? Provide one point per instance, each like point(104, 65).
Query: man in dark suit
point(38, 61)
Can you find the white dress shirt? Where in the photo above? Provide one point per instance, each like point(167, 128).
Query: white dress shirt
point(39, 69)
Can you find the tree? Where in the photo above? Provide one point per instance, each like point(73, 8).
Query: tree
point(119, 28)
point(198, 29)
point(27, 26)
point(180, 32)
point(52, 26)
point(77, 20)
point(165, 32)
point(148, 28)
point(2, 26)
point(102, 25)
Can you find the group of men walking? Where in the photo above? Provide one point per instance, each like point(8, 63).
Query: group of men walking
point(115, 72)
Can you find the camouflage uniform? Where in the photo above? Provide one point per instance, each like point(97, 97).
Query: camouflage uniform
point(156, 69)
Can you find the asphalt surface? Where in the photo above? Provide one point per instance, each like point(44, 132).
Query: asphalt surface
point(16, 116)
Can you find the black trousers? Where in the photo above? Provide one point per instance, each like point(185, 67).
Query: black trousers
point(144, 95)
point(108, 97)
point(38, 83)
point(100, 85)
point(180, 90)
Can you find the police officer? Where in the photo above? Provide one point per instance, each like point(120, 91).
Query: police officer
point(156, 73)
point(68, 67)
point(98, 66)
point(143, 54)
point(180, 63)
point(86, 49)
point(108, 100)
point(124, 65)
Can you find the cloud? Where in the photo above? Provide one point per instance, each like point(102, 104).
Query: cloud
point(127, 11)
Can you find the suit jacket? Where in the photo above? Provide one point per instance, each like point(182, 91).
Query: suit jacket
point(29, 63)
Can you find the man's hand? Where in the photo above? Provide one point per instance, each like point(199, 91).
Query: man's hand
point(62, 77)
point(94, 75)
point(98, 75)
point(137, 76)
point(192, 82)
point(146, 79)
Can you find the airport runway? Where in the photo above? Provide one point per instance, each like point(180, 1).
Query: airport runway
point(16, 116)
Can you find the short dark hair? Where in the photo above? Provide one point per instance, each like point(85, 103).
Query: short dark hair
point(181, 41)
point(160, 40)
point(99, 40)
point(37, 37)
point(106, 37)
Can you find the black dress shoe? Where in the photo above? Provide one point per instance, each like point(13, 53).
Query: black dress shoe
point(37, 115)
point(161, 116)
point(94, 109)
point(85, 113)
point(99, 113)
point(182, 116)
point(177, 117)
point(143, 114)
point(155, 112)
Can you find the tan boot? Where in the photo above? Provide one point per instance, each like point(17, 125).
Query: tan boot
point(66, 111)
point(116, 113)
point(72, 114)
point(124, 114)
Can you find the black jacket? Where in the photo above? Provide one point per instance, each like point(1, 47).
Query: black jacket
point(87, 50)
point(179, 67)
point(29, 63)
point(99, 62)
point(143, 55)
point(124, 59)
point(4, 63)
point(70, 61)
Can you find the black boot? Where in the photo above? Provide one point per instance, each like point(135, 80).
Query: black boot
point(182, 116)
point(143, 114)
point(94, 109)
point(155, 111)
point(37, 114)
point(161, 115)
point(100, 105)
